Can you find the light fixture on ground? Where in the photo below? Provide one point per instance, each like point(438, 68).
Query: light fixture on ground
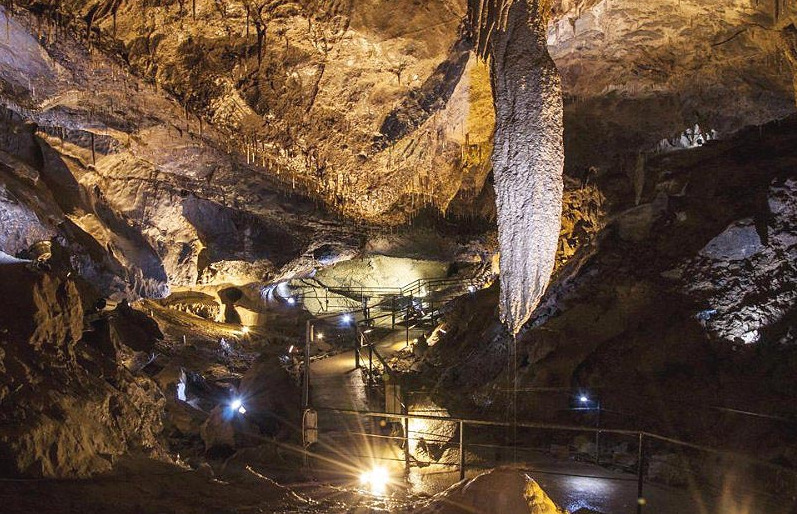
point(584, 399)
point(245, 330)
point(291, 301)
point(237, 405)
point(346, 318)
point(376, 480)
point(319, 335)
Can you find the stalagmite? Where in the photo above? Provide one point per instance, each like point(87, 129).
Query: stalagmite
point(528, 155)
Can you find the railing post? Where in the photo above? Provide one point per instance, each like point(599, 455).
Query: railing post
point(393, 313)
point(409, 307)
point(640, 500)
point(370, 363)
point(357, 344)
point(462, 450)
point(598, 435)
point(406, 411)
point(306, 378)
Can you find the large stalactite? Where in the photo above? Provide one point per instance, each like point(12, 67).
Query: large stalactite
point(528, 156)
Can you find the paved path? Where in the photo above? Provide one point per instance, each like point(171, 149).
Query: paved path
point(335, 383)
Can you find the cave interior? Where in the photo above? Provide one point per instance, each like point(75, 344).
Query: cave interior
point(434, 256)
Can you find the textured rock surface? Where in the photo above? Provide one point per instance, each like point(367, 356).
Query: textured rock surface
point(512, 491)
point(69, 407)
point(635, 73)
point(649, 322)
point(528, 156)
point(167, 128)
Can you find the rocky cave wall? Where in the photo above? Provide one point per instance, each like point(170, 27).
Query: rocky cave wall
point(679, 315)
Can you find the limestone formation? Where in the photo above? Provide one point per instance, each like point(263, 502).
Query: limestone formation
point(69, 406)
point(528, 153)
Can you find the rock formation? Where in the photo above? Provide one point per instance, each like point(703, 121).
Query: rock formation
point(69, 407)
point(528, 156)
point(510, 491)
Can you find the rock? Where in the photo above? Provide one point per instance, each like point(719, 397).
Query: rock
point(504, 490)
point(68, 407)
point(635, 224)
point(218, 431)
point(270, 396)
point(527, 92)
point(429, 438)
point(739, 241)
point(199, 304)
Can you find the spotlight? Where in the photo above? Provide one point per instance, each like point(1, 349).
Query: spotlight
point(320, 335)
point(472, 289)
point(583, 399)
point(376, 479)
point(291, 301)
point(244, 330)
point(237, 405)
point(346, 318)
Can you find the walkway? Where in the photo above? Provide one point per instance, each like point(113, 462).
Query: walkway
point(335, 383)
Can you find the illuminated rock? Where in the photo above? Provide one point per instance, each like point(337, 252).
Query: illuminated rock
point(528, 153)
point(504, 490)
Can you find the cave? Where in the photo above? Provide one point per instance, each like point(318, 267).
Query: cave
point(434, 256)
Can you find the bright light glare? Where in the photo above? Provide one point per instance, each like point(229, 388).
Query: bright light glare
point(584, 399)
point(346, 318)
point(244, 330)
point(238, 405)
point(376, 479)
point(291, 301)
point(472, 289)
point(320, 335)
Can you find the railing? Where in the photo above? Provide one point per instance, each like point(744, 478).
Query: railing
point(347, 298)
point(754, 478)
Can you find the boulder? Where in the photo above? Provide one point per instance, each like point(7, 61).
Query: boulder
point(739, 241)
point(504, 490)
point(270, 396)
point(635, 224)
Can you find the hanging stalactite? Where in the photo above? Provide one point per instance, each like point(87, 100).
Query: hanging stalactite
point(528, 154)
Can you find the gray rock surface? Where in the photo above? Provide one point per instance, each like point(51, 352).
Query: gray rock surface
point(739, 241)
point(528, 153)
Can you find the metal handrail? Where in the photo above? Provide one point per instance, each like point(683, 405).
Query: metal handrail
point(570, 428)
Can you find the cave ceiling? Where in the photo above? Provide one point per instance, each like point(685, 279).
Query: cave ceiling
point(170, 113)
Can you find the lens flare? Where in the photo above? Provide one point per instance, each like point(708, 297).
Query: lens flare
point(376, 480)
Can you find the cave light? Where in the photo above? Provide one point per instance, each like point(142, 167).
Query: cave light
point(320, 335)
point(237, 405)
point(346, 318)
point(376, 479)
point(244, 330)
point(291, 301)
